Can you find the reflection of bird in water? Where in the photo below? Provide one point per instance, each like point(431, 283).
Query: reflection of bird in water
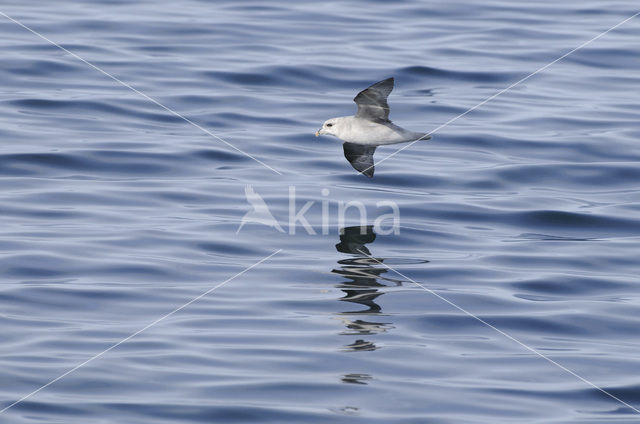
point(356, 378)
point(259, 212)
point(353, 239)
point(362, 287)
point(362, 297)
point(365, 284)
point(362, 274)
point(361, 345)
point(369, 128)
point(360, 327)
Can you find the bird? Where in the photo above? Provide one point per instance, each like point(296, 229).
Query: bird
point(259, 211)
point(369, 128)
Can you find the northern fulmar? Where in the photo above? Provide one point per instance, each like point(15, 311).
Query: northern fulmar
point(369, 128)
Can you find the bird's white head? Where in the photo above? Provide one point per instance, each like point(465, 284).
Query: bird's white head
point(330, 127)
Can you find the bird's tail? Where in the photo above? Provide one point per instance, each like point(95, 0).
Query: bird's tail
point(422, 136)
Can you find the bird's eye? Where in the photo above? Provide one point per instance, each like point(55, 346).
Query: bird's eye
point(329, 125)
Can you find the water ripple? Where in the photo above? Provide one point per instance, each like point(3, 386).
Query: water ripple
point(115, 212)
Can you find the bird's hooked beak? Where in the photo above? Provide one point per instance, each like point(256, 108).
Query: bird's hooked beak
point(320, 132)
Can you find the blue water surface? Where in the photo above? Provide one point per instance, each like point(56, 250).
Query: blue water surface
point(524, 213)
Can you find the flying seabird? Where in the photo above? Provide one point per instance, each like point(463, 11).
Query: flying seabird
point(369, 128)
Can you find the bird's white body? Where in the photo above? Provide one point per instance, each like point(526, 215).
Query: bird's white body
point(363, 131)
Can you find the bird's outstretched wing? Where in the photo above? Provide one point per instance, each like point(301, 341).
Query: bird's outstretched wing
point(372, 102)
point(360, 157)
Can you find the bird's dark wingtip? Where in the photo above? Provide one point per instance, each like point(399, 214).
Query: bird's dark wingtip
point(383, 83)
point(390, 80)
